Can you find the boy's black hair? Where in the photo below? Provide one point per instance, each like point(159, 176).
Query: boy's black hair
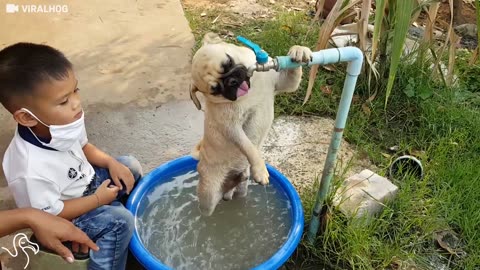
point(24, 65)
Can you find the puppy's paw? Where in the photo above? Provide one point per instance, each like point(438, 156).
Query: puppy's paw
point(229, 195)
point(300, 54)
point(260, 174)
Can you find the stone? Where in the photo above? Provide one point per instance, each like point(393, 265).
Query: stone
point(364, 194)
point(466, 30)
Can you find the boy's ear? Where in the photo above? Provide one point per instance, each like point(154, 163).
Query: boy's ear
point(24, 118)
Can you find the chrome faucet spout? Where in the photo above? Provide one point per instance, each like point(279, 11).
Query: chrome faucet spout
point(272, 64)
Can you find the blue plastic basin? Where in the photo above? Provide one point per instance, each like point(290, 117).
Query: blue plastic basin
point(172, 168)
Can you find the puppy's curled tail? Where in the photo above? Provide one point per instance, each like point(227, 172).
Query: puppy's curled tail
point(211, 38)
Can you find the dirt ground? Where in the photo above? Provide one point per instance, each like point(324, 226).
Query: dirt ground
point(443, 17)
point(249, 9)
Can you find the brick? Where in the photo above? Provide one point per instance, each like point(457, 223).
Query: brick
point(363, 194)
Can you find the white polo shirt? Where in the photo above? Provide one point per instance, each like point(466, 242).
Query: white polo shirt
point(42, 177)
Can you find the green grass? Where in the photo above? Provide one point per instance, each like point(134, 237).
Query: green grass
point(442, 124)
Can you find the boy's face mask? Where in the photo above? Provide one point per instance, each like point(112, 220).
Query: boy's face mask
point(63, 136)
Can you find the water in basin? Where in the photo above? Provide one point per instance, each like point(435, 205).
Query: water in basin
point(240, 234)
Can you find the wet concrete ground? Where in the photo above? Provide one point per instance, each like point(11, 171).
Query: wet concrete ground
point(298, 147)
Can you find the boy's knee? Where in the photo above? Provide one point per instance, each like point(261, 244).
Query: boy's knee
point(124, 221)
point(133, 165)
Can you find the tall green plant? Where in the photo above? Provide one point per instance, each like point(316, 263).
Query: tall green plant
point(392, 19)
point(402, 13)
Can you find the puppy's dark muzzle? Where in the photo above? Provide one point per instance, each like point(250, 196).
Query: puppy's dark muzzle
point(238, 73)
point(230, 81)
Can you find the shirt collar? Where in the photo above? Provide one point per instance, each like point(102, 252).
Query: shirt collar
point(26, 134)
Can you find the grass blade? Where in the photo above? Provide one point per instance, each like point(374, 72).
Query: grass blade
point(403, 12)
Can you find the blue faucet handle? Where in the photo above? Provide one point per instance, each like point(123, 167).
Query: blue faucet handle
point(261, 55)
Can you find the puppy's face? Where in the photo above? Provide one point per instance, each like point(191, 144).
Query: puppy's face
point(233, 81)
point(219, 71)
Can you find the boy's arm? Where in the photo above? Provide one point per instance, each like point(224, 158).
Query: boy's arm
point(96, 156)
point(76, 207)
point(117, 170)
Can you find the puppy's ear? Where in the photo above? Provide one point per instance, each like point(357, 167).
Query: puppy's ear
point(194, 98)
point(211, 38)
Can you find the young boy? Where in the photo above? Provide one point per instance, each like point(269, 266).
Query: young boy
point(48, 164)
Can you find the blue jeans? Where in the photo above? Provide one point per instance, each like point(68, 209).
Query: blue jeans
point(109, 226)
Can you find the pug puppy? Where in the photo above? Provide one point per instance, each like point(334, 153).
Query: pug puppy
point(238, 115)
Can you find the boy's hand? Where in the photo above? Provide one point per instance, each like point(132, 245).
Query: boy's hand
point(118, 172)
point(106, 194)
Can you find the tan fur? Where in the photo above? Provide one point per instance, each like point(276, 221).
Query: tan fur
point(234, 131)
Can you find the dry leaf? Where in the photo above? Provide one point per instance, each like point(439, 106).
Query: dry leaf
point(450, 242)
point(385, 155)
point(326, 89)
point(417, 153)
point(366, 109)
point(214, 21)
point(286, 28)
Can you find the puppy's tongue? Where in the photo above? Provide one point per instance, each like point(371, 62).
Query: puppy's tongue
point(243, 89)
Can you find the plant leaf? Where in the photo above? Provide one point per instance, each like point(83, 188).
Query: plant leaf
point(323, 36)
point(432, 15)
point(403, 12)
point(454, 40)
point(363, 24)
point(442, 49)
point(379, 14)
point(319, 5)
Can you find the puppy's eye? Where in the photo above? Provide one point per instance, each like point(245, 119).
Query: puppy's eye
point(233, 83)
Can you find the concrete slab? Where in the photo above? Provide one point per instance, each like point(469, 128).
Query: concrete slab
point(364, 194)
point(153, 134)
point(126, 54)
point(298, 146)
